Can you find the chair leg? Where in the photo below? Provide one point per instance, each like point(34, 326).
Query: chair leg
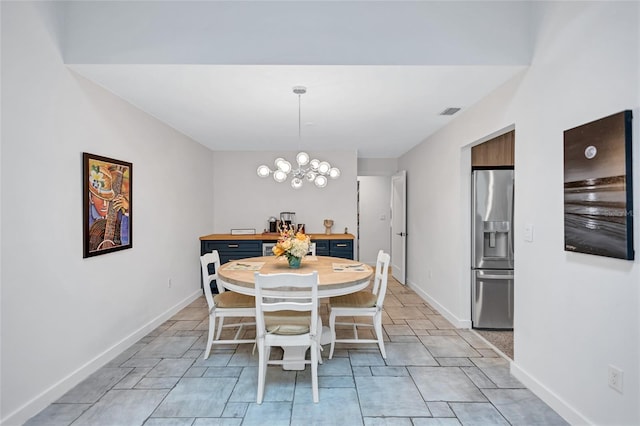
point(239, 332)
point(212, 327)
point(377, 323)
point(314, 371)
point(267, 357)
point(262, 371)
point(332, 326)
point(220, 328)
point(319, 340)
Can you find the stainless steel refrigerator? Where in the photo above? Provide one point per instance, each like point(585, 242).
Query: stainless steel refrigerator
point(492, 249)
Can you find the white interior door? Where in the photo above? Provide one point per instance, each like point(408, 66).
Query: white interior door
point(399, 226)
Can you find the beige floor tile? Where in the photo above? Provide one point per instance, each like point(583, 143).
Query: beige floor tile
point(405, 312)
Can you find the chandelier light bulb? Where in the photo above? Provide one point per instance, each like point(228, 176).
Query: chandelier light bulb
point(302, 158)
point(334, 173)
point(279, 176)
point(263, 171)
point(296, 183)
point(311, 176)
point(283, 165)
point(320, 181)
point(314, 164)
point(324, 167)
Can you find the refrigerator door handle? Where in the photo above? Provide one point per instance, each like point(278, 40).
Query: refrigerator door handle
point(496, 277)
point(510, 239)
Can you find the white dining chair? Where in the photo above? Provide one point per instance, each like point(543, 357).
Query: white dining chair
point(287, 315)
point(363, 303)
point(224, 304)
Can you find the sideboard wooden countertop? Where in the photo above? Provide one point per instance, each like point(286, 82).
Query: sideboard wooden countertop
point(272, 236)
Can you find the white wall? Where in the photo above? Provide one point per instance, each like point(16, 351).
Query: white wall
point(249, 200)
point(375, 220)
point(64, 316)
point(574, 314)
point(377, 166)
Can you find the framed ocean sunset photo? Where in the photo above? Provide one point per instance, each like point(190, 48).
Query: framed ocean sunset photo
point(598, 190)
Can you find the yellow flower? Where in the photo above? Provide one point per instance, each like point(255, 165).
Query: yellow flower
point(277, 250)
point(287, 244)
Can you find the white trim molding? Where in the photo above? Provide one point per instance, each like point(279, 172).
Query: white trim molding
point(457, 322)
point(42, 401)
point(559, 405)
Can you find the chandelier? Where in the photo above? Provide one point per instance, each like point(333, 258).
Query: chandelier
point(311, 170)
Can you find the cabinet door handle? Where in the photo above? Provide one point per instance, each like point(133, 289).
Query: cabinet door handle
point(233, 245)
point(341, 245)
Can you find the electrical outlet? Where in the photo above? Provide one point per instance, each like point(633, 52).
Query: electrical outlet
point(615, 378)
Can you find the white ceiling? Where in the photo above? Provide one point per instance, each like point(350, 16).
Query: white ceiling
point(381, 112)
point(372, 96)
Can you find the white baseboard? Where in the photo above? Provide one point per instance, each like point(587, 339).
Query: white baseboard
point(51, 394)
point(457, 322)
point(559, 405)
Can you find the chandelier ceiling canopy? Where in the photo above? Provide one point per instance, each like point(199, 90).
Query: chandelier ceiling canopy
point(311, 170)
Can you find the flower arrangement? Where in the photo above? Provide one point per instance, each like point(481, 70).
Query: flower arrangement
point(292, 245)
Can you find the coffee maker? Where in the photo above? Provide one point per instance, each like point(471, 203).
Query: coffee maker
point(287, 219)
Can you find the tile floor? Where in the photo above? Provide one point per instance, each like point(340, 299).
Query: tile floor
point(434, 374)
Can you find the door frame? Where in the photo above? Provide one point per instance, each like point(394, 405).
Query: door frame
point(398, 206)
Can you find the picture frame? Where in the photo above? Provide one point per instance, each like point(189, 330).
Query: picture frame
point(598, 187)
point(107, 205)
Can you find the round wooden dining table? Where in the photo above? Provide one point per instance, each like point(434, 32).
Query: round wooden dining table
point(336, 277)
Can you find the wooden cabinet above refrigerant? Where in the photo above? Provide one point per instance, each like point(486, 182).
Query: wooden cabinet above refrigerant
point(495, 152)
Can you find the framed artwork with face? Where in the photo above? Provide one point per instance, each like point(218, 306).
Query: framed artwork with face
point(107, 205)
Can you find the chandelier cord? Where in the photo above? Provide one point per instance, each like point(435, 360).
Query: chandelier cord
point(299, 122)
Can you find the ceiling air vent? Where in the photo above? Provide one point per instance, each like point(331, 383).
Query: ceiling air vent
point(450, 111)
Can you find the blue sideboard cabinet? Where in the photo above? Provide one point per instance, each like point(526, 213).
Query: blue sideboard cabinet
point(335, 248)
point(341, 248)
point(232, 249)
